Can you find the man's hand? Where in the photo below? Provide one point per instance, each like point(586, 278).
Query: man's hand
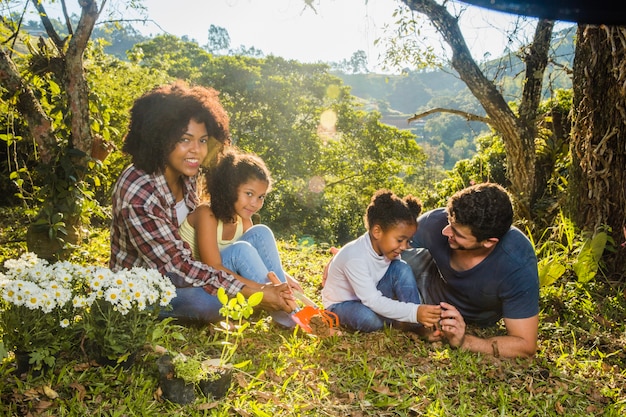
point(452, 325)
point(520, 341)
point(428, 315)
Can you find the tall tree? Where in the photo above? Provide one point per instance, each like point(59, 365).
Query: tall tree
point(598, 178)
point(51, 94)
point(65, 61)
point(517, 130)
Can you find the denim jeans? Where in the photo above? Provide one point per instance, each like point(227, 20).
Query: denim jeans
point(252, 256)
point(194, 304)
point(398, 283)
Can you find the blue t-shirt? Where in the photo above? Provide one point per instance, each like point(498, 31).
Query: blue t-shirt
point(505, 284)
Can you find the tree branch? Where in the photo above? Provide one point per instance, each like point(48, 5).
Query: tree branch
point(45, 21)
point(68, 21)
point(468, 116)
point(38, 122)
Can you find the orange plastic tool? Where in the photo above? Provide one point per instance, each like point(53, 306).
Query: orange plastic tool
point(310, 318)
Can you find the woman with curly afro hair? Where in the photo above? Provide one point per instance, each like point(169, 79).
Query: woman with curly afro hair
point(173, 130)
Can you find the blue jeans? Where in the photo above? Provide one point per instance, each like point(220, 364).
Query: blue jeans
point(398, 283)
point(252, 257)
point(194, 304)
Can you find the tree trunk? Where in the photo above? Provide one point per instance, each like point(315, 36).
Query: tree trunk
point(518, 133)
point(75, 82)
point(598, 147)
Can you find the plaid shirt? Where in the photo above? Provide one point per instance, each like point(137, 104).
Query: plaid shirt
point(144, 233)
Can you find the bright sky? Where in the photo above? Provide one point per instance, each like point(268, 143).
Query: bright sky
point(330, 33)
point(287, 28)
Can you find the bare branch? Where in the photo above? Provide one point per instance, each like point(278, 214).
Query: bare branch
point(468, 116)
point(68, 22)
point(45, 20)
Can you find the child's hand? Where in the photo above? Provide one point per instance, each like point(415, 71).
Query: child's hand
point(288, 297)
point(278, 297)
point(428, 315)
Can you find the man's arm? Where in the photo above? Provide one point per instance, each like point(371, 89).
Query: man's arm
point(520, 341)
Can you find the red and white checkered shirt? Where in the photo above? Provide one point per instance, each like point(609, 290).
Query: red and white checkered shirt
point(144, 232)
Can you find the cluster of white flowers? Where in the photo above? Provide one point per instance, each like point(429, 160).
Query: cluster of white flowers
point(127, 289)
point(34, 283)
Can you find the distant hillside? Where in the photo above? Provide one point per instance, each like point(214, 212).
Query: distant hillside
point(397, 97)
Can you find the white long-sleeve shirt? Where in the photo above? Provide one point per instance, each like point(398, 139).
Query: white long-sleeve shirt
point(354, 273)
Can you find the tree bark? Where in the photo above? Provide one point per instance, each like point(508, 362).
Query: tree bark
point(518, 133)
point(73, 72)
point(598, 146)
point(39, 123)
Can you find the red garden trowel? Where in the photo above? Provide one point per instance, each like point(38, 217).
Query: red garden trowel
point(311, 318)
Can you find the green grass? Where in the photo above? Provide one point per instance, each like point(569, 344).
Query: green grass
point(579, 369)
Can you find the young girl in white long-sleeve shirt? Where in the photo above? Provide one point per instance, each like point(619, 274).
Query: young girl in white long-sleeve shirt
point(368, 286)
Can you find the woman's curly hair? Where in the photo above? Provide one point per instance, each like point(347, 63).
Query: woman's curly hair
point(387, 210)
point(233, 168)
point(159, 118)
point(485, 208)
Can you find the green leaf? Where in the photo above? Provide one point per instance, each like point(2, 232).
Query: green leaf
point(221, 296)
point(54, 87)
point(549, 271)
point(242, 364)
point(240, 298)
point(588, 260)
point(255, 299)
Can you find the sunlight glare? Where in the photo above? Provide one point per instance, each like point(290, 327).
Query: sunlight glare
point(317, 184)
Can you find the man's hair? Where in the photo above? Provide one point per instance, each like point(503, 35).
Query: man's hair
point(485, 208)
point(233, 169)
point(159, 118)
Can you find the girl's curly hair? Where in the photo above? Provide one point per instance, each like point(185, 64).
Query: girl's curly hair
point(160, 117)
point(387, 210)
point(233, 168)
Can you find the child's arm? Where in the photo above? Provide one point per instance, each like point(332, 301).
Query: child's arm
point(205, 225)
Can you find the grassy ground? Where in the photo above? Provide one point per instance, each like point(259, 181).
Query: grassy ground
point(579, 370)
